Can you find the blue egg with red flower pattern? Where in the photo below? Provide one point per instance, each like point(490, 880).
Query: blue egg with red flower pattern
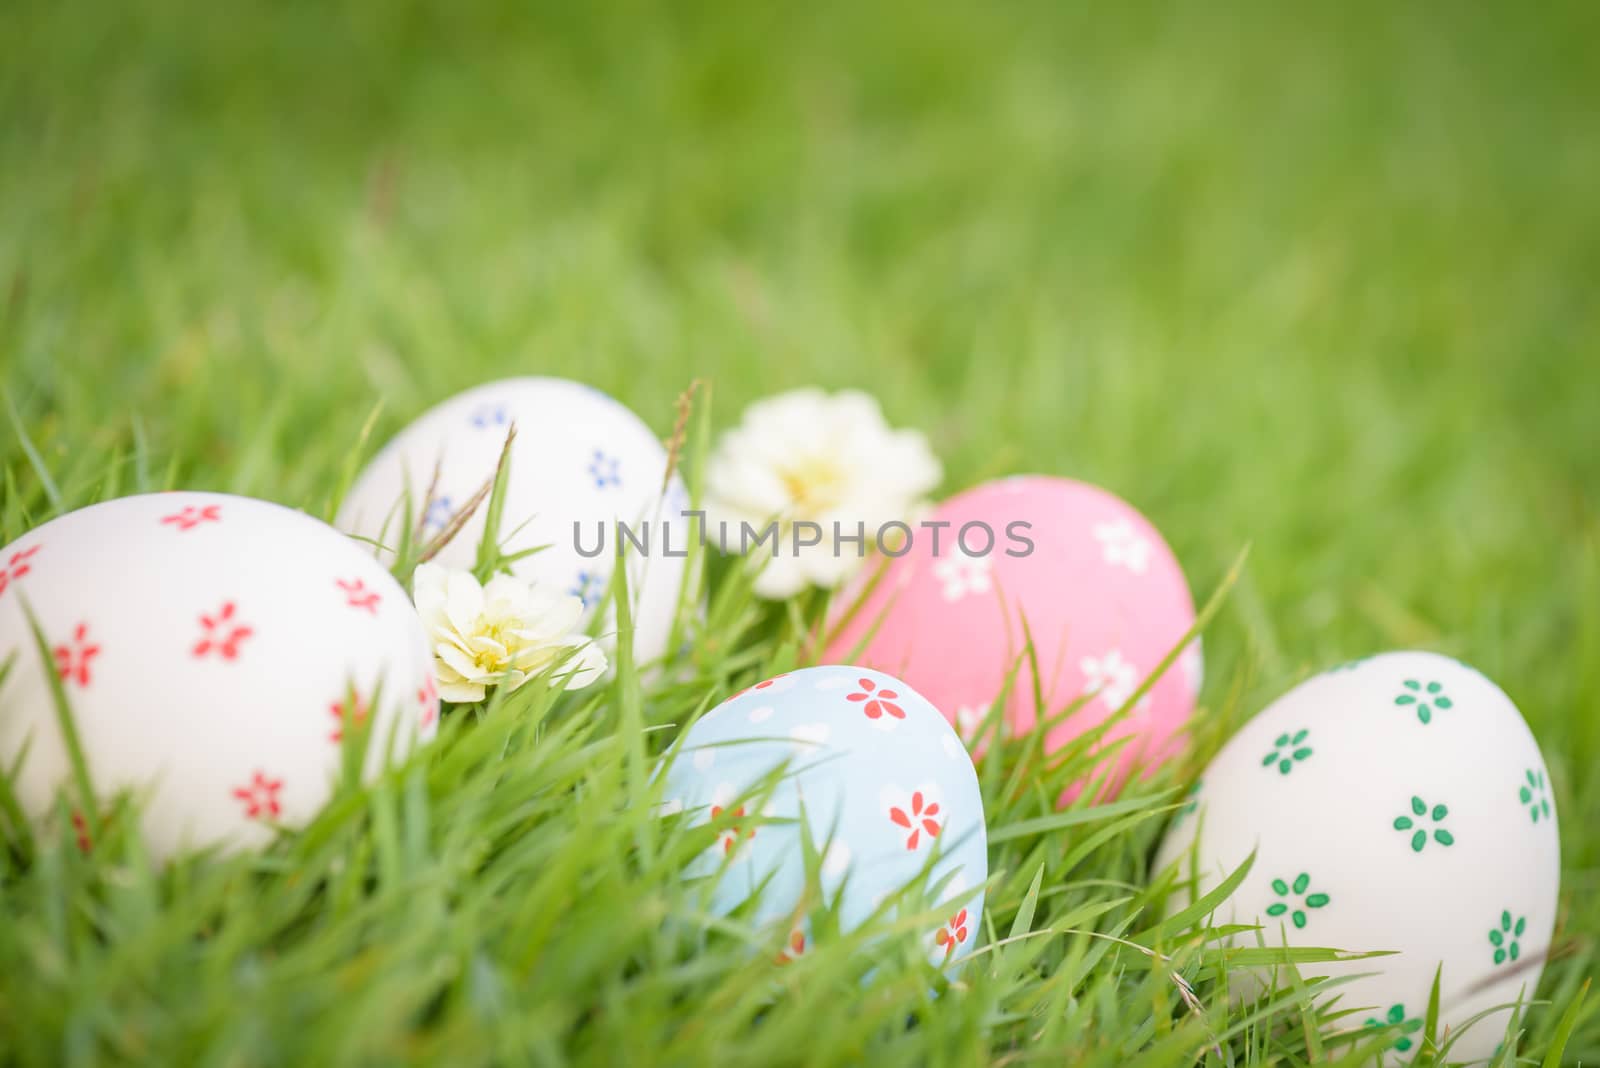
point(875, 775)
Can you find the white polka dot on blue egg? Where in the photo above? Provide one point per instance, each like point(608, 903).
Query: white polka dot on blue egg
point(885, 785)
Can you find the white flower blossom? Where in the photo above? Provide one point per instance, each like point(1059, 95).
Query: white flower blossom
point(807, 456)
point(501, 634)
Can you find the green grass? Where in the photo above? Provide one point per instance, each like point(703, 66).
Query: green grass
point(1321, 282)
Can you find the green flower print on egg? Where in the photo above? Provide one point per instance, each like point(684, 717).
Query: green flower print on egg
point(1421, 814)
point(1428, 697)
point(1293, 899)
point(1287, 751)
point(1396, 1018)
point(1505, 938)
point(1535, 795)
point(1191, 802)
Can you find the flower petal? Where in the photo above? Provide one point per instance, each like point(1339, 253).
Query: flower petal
point(461, 693)
point(550, 617)
point(584, 663)
point(780, 578)
point(428, 584)
point(463, 601)
point(458, 662)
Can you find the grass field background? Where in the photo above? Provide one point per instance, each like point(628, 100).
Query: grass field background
point(1316, 281)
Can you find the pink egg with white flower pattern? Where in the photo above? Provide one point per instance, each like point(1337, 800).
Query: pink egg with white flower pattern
point(217, 654)
point(1075, 567)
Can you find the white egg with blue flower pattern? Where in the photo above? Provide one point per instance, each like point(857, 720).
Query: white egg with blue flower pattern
point(888, 792)
point(1396, 803)
point(581, 461)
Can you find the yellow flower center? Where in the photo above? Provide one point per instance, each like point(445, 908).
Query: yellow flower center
point(503, 634)
point(814, 484)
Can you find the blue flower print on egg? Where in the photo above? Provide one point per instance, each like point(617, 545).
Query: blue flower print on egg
point(605, 470)
point(676, 504)
point(485, 416)
point(880, 781)
point(437, 515)
point(589, 586)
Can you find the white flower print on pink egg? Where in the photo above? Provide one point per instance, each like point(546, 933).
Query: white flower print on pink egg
point(960, 575)
point(1110, 678)
point(1122, 546)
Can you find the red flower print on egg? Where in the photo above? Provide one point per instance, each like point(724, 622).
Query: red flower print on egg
point(358, 717)
point(921, 817)
point(358, 596)
point(72, 661)
point(260, 797)
point(17, 566)
point(80, 828)
point(764, 684)
point(794, 948)
point(730, 837)
point(879, 702)
point(221, 634)
point(192, 517)
point(953, 933)
point(428, 698)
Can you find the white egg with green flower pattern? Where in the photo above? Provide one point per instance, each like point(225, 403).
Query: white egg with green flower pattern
point(1395, 803)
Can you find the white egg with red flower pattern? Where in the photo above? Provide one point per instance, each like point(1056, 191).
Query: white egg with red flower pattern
point(881, 782)
point(581, 462)
point(207, 646)
point(1400, 804)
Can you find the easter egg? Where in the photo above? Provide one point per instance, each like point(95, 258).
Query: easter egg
point(1075, 567)
point(1398, 803)
point(580, 462)
point(872, 773)
point(208, 647)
